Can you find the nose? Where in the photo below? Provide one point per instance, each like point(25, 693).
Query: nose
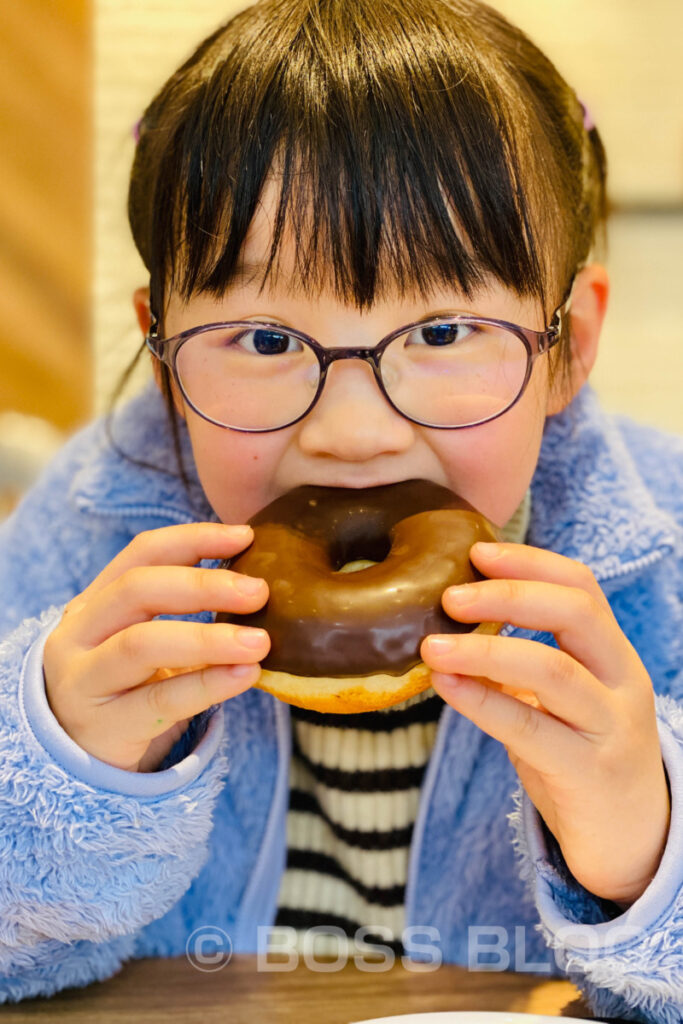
point(352, 419)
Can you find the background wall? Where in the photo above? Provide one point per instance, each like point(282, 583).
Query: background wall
point(45, 158)
point(45, 232)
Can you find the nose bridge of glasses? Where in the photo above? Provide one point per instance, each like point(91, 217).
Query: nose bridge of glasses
point(366, 355)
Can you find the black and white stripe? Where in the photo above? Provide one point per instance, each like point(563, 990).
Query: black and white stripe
point(354, 792)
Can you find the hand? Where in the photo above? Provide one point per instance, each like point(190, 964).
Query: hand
point(578, 723)
point(107, 662)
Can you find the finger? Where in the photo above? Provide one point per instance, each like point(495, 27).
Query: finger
point(580, 624)
point(185, 544)
point(525, 562)
point(131, 656)
point(538, 739)
point(563, 686)
point(145, 591)
point(148, 711)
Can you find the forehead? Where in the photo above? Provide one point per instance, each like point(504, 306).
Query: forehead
point(257, 262)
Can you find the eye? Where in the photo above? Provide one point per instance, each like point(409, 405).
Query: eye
point(267, 341)
point(438, 335)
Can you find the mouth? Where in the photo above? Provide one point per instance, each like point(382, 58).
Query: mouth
point(357, 484)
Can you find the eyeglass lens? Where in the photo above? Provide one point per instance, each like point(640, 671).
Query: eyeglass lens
point(443, 374)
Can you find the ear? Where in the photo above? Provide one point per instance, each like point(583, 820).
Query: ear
point(586, 314)
point(142, 312)
point(144, 316)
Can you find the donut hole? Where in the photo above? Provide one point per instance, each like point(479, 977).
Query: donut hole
point(357, 549)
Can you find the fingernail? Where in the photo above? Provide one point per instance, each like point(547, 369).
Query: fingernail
point(440, 645)
point(248, 585)
point(459, 595)
point(252, 638)
point(240, 532)
point(488, 550)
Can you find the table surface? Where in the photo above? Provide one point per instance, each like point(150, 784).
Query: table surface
point(166, 990)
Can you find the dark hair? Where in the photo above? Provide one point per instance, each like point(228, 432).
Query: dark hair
point(415, 143)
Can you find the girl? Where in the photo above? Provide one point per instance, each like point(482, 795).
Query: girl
point(340, 170)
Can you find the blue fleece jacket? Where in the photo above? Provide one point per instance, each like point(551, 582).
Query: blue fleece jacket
point(100, 865)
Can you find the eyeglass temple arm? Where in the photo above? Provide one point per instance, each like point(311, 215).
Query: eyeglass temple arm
point(564, 306)
point(153, 331)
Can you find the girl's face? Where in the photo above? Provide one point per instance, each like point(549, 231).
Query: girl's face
point(353, 437)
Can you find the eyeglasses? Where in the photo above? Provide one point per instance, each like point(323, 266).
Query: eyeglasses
point(445, 372)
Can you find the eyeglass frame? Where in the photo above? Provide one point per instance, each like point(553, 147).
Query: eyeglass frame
point(543, 340)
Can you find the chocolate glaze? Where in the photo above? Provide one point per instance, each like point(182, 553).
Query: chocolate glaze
point(325, 623)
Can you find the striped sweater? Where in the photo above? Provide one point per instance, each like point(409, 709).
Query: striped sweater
point(353, 799)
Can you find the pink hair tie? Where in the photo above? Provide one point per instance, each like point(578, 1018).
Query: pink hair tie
point(135, 130)
point(588, 122)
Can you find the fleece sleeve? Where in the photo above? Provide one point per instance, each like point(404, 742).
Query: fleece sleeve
point(627, 964)
point(89, 854)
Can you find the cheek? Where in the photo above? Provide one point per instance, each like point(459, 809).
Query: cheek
point(492, 465)
point(236, 470)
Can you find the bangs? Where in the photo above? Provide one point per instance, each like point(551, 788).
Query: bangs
point(399, 155)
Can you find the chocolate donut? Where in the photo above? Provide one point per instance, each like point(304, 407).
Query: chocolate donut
point(356, 579)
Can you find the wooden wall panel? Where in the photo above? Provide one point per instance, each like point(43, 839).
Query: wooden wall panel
point(45, 209)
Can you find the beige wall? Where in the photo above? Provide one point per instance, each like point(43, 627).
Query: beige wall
point(625, 59)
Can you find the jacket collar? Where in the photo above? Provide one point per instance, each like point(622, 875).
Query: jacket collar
point(110, 484)
point(589, 501)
